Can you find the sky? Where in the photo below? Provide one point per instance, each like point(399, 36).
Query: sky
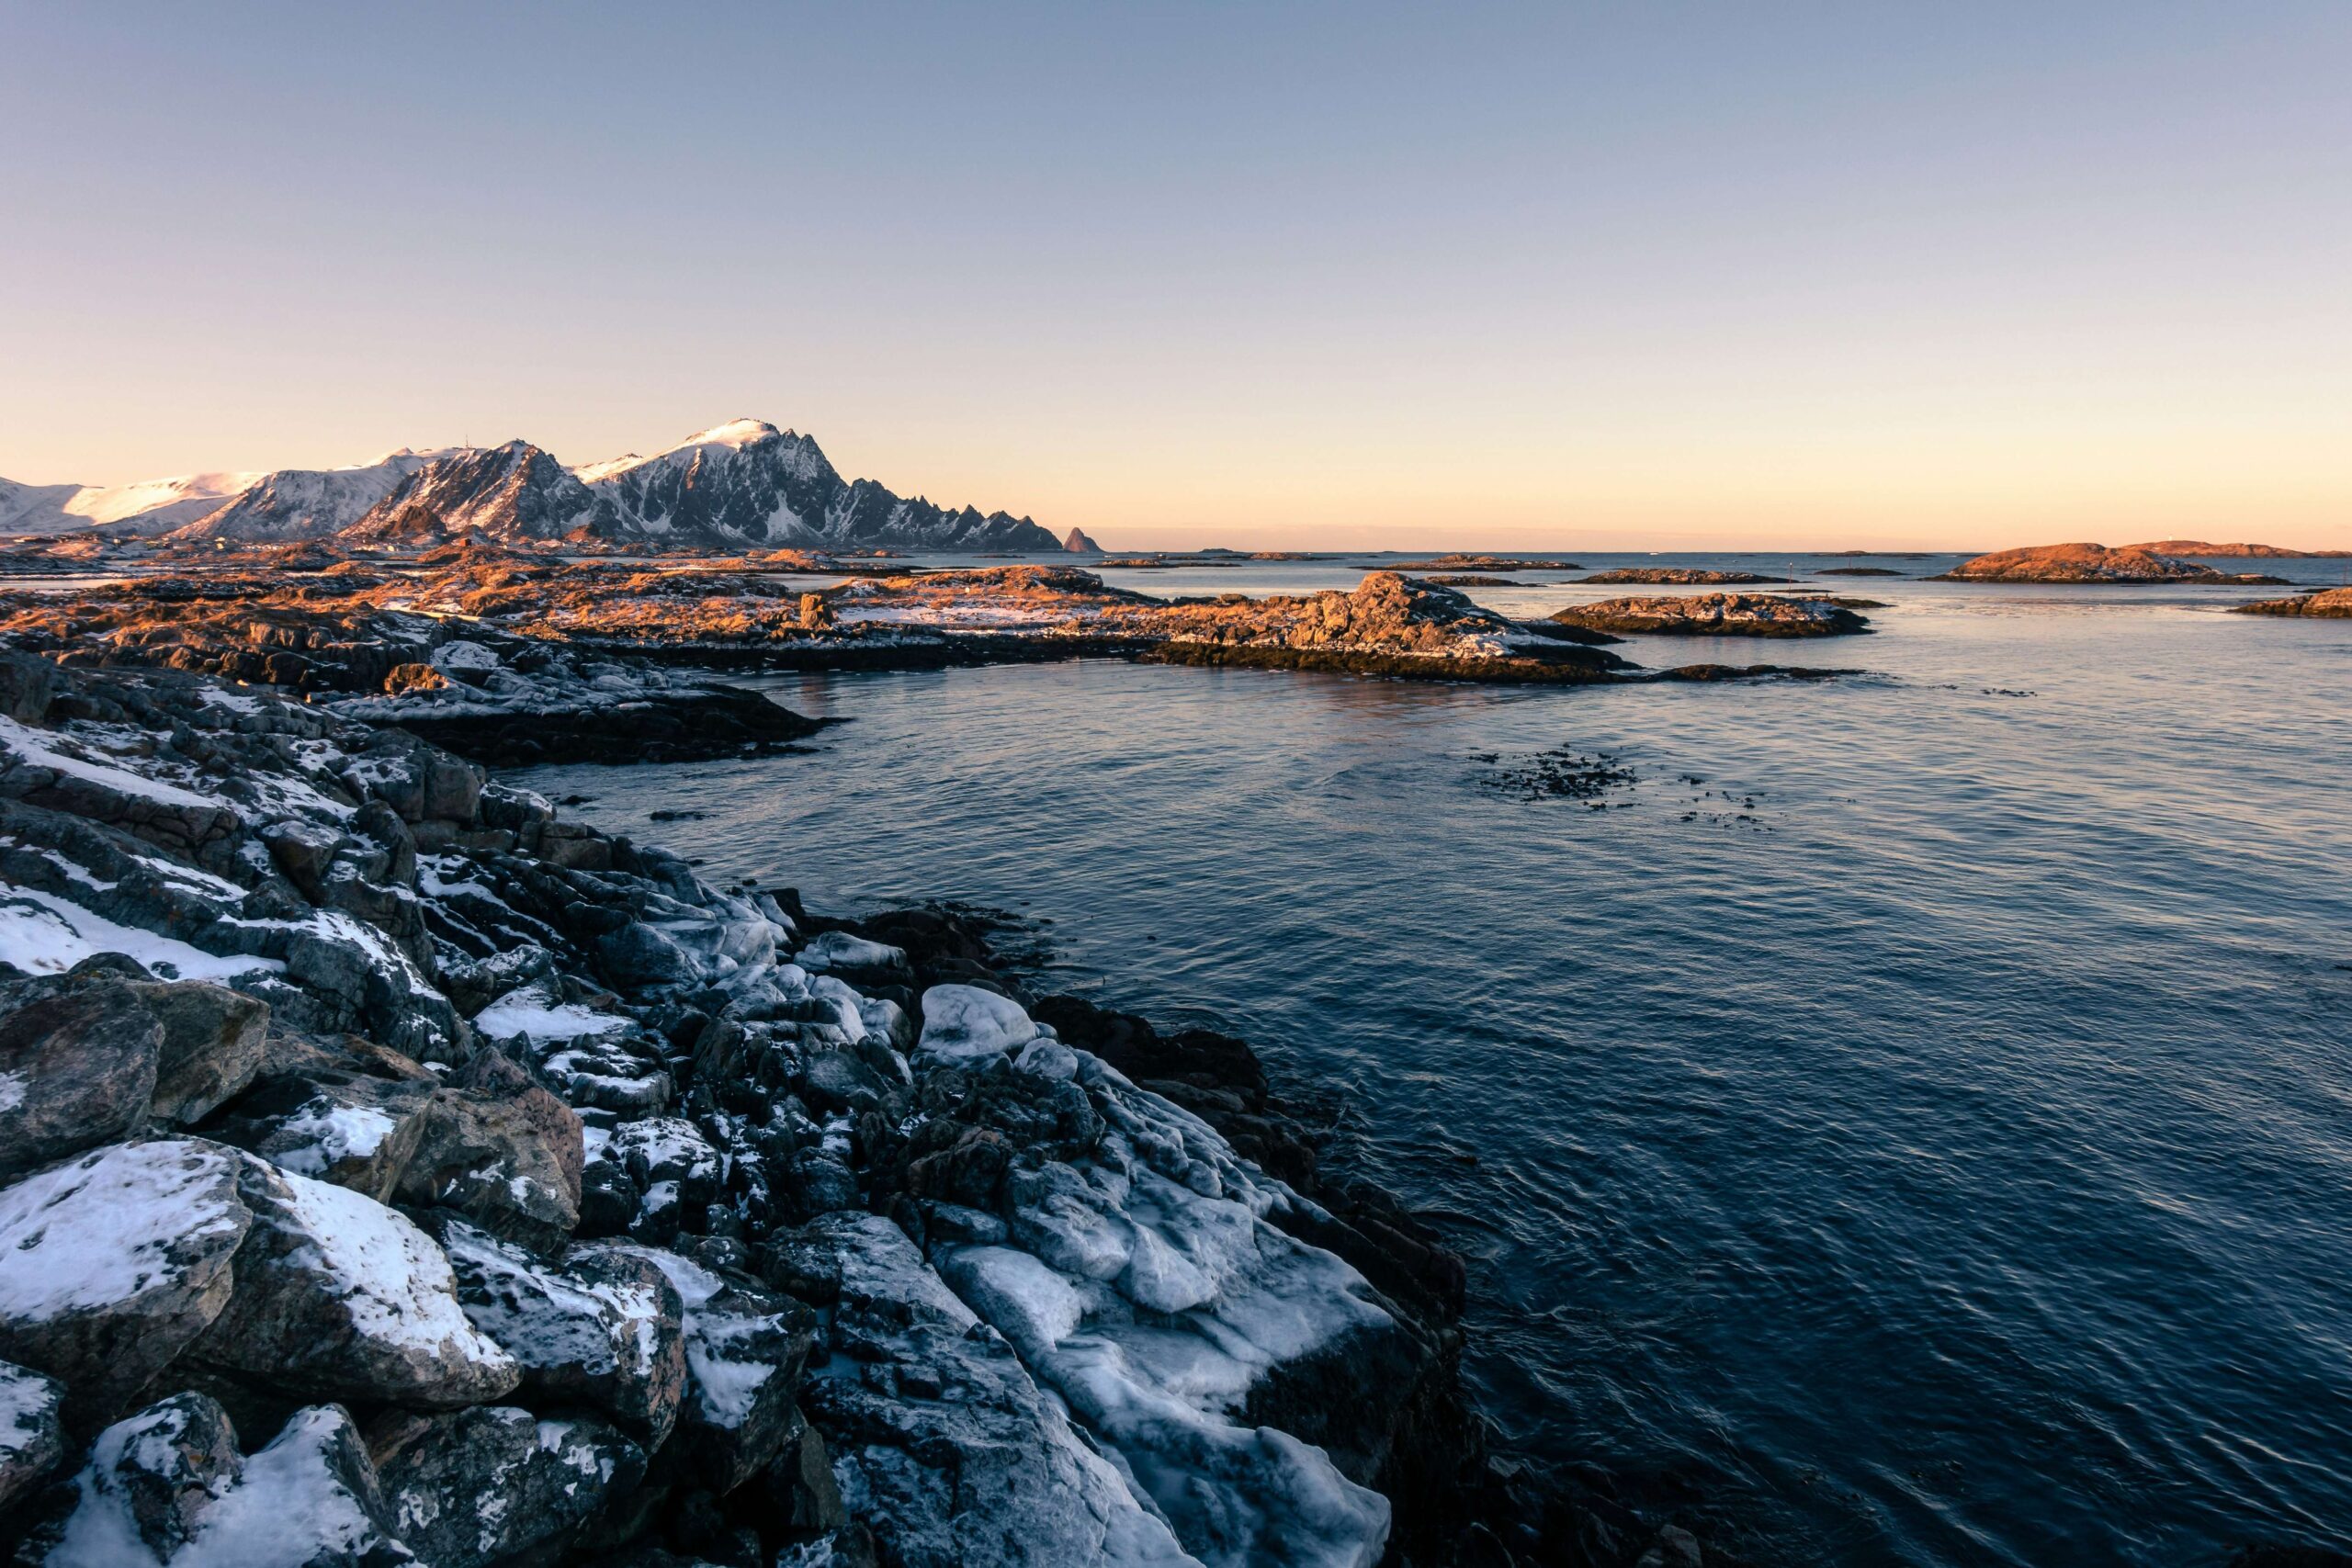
point(1636, 276)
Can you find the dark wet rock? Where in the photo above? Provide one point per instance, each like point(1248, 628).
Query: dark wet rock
point(118, 1260)
point(468, 1488)
point(32, 1431)
point(212, 1045)
point(77, 1067)
point(604, 1328)
point(718, 721)
point(745, 1348)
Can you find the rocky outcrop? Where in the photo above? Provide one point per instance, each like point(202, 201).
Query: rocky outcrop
point(2090, 564)
point(1680, 577)
point(549, 1204)
point(2212, 551)
point(2330, 604)
point(1715, 615)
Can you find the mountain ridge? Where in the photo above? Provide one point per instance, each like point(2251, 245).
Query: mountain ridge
point(736, 485)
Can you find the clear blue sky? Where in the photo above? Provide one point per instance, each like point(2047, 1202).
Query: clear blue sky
point(1970, 274)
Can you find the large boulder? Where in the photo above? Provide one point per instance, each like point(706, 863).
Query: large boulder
point(167, 1486)
point(964, 1024)
point(339, 1297)
point(942, 1442)
point(32, 1435)
point(501, 1151)
point(745, 1349)
point(77, 1069)
point(355, 1131)
point(117, 1261)
point(606, 1328)
point(472, 1488)
point(213, 1045)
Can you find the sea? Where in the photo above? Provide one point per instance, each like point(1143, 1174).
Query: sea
point(1897, 1119)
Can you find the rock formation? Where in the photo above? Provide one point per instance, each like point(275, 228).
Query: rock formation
point(1716, 614)
point(405, 1173)
point(2090, 564)
point(1679, 576)
point(2327, 604)
point(1078, 542)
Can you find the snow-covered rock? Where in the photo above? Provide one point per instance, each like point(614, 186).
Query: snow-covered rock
point(468, 1488)
point(32, 1433)
point(943, 1443)
point(338, 1297)
point(744, 1352)
point(605, 1328)
point(117, 1261)
point(166, 1488)
point(966, 1025)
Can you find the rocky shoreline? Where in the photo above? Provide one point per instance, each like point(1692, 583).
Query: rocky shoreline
point(399, 1170)
point(513, 657)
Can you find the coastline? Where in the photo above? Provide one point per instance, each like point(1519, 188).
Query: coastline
point(856, 1147)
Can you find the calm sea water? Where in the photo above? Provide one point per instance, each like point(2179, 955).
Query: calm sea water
point(1915, 1112)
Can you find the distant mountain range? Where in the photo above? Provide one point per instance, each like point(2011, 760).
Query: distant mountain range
point(740, 485)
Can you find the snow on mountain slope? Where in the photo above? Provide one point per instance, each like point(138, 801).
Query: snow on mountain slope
point(308, 503)
point(747, 482)
point(515, 491)
point(739, 485)
point(149, 506)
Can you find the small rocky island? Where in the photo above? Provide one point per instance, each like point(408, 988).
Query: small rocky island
point(2093, 564)
point(1716, 614)
point(2330, 604)
point(1680, 577)
point(398, 1171)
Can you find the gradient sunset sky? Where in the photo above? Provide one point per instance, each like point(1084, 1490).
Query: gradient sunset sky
point(1514, 277)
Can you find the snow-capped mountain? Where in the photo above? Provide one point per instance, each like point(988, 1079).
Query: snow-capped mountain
point(308, 503)
point(515, 491)
point(746, 482)
point(148, 507)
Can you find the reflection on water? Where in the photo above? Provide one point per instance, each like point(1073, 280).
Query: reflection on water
point(1918, 1108)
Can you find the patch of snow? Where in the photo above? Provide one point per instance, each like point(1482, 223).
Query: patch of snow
point(332, 1134)
point(394, 1283)
point(39, 748)
point(99, 1230)
point(530, 1012)
point(44, 934)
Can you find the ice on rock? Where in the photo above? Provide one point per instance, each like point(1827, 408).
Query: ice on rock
point(943, 1443)
point(532, 1012)
point(832, 951)
point(1015, 1294)
point(1048, 1059)
point(964, 1024)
